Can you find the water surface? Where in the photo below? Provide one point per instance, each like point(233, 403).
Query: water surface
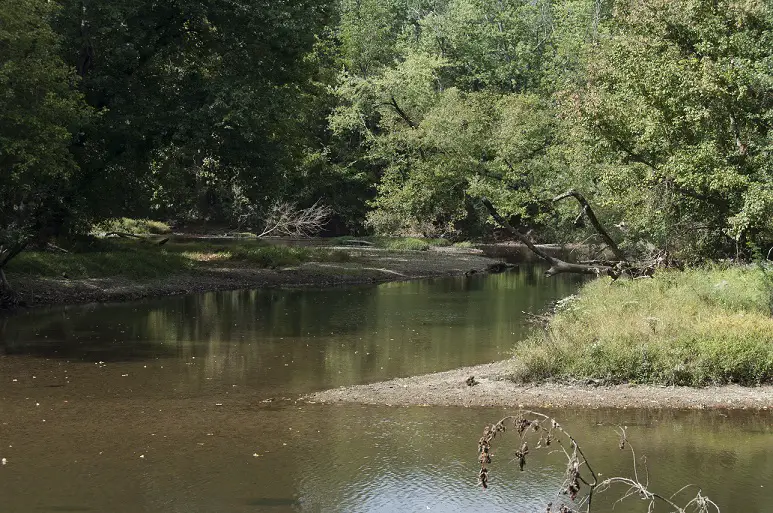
point(187, 404)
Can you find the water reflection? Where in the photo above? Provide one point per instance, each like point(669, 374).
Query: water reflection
point(299, 340)
point(425, 460)
point(188, 405)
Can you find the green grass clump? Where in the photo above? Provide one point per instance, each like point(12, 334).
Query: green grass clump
point(135, 226)
point(131, 263)
point(405, 244)
point(145, 259)
point(697, 327)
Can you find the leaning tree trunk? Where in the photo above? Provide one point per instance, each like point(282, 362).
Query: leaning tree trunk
point(557, 266)
point(8, 297)
point(614, 269)
point(587, 211)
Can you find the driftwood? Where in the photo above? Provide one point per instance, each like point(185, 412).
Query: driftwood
point(141, 238)
point(124, 235)
point(613, 268)
point(285, 219)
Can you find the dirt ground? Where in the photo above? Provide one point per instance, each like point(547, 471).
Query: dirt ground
point(493, 388)
point(367, 266)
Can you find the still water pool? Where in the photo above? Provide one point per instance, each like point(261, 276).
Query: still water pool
point(188, 404)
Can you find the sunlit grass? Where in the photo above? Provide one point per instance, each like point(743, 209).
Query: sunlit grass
point(697, 327)
point(132, 263)
point(134, 226)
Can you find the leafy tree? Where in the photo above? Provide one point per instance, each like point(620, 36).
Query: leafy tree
point(500, 46)
point(681, 96)
point(456, 113)
point(198, 101)
point(40, 111)
point(438, 146)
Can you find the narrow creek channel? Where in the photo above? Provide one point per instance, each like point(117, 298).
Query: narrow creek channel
point(187, 404)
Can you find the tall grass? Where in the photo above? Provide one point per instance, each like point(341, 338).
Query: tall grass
point(697, 327)
point(131, 263)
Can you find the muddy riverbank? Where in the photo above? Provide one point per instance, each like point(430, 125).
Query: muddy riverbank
point(493, 388)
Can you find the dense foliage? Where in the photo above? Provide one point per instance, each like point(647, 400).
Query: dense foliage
point(190, 110)
point(41, 112)
point(400, 114)
point(658, 110)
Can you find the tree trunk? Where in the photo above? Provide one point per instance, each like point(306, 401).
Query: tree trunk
point(8, 297)
point(557, 266)
point(588, 212)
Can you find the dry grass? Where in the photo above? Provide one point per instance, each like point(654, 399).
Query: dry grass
point(697, 327)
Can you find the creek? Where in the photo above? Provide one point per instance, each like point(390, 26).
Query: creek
point(189, 404)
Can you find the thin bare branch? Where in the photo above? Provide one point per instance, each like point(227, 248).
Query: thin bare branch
point(527, 422)
point(285, 219)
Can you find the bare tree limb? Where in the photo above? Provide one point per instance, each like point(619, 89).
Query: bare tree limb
point(285, 219)
point(588, 211)
point(579, 473)
point(124, 235)
point(401, 113)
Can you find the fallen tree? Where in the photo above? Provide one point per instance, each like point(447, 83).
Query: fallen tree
point(622, 265)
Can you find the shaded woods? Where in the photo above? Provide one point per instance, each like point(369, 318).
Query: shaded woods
point(397, 115)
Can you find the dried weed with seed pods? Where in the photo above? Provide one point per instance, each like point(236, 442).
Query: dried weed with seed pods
point(581, 482)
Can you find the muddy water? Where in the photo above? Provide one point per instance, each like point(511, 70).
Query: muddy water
point(188, 405)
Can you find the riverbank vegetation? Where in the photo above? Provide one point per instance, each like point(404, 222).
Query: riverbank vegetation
point(708, 326)
point(144, 260)
point(395, 243)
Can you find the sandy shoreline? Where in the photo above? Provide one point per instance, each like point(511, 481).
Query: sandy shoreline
point(367, 266)
point(494, 389)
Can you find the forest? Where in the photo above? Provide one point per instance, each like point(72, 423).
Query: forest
point(237, 216)
point(400, 116)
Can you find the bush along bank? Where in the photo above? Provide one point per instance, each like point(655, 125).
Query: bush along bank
point(709, 326)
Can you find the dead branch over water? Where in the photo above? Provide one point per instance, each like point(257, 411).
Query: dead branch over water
point(612, 268)
point(581, 481)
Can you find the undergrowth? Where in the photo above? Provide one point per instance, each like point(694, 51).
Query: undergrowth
point(135, 226)
point(696, 327)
